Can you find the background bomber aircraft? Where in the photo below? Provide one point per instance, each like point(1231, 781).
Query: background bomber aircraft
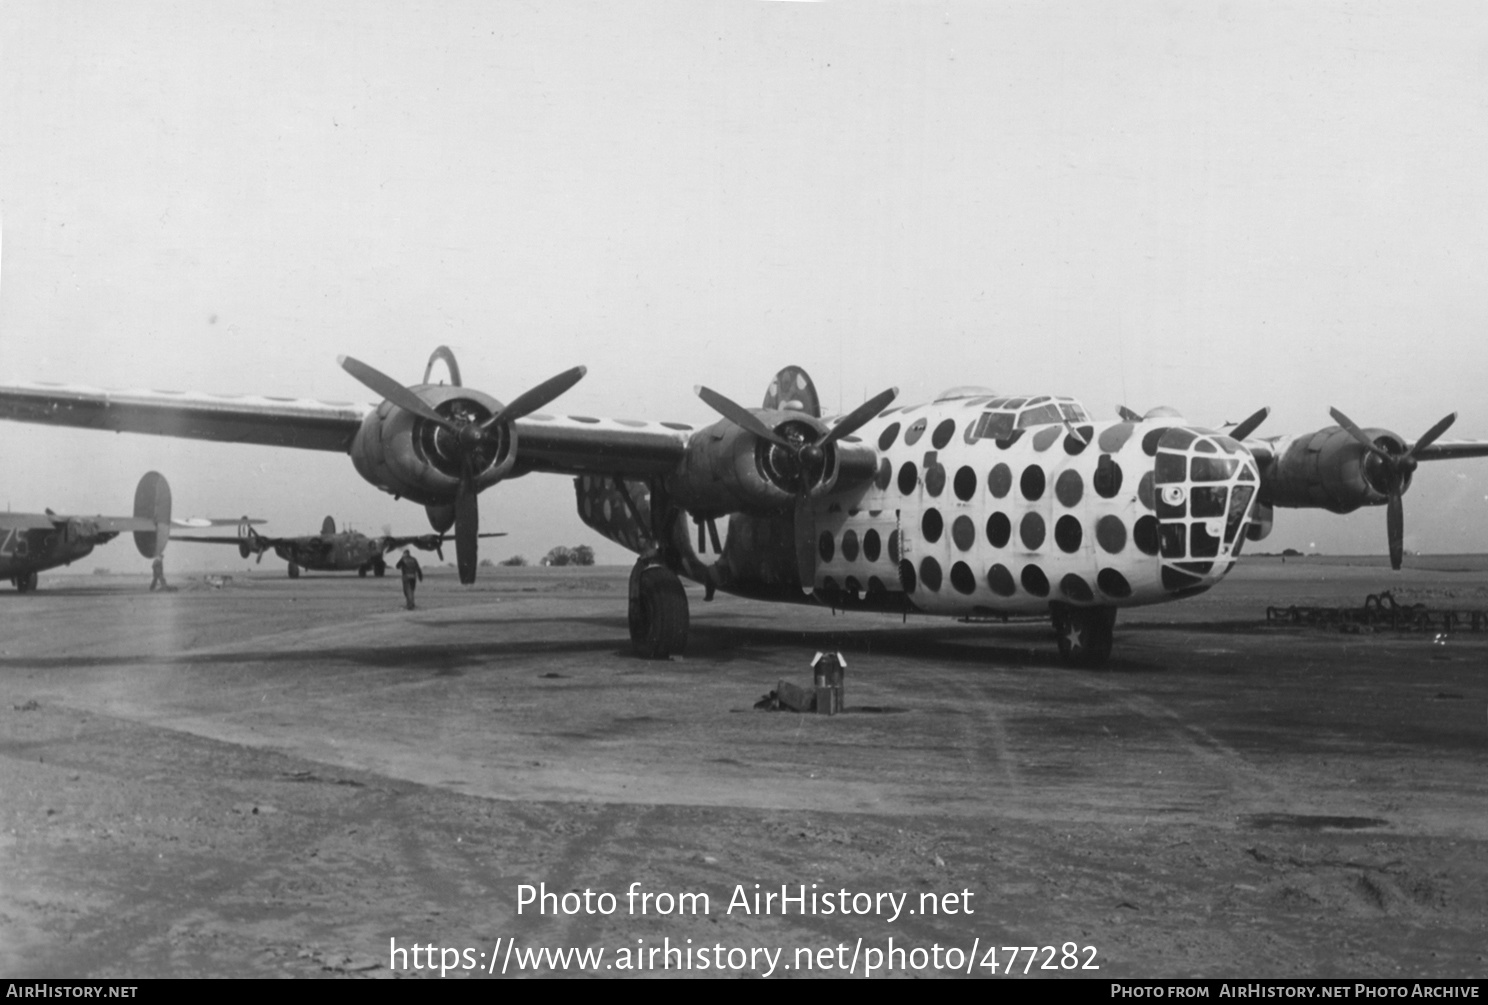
point(330, 550)
point(33, 542)
point(972, 504)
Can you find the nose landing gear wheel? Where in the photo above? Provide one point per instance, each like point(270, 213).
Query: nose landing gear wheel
point(294, 571)
point(658, 612)
point(1084, 633)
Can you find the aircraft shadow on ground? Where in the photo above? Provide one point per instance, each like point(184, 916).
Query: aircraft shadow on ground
point(443, 659)
point(976, 646)
point(1013, 645)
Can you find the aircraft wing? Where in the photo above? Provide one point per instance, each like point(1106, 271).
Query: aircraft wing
point(1452, 450)
point(214, 521)
point(274, 422)
point(426, 542)
point(257, 539)
point(553, 444)
point(216, 540)
point(1441, 450)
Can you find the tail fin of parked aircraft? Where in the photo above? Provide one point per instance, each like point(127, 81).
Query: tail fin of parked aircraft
point(152, 501)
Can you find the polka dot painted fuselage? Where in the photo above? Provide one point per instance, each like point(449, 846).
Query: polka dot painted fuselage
point(988, 517)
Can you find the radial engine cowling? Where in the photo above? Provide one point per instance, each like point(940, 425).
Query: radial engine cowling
point(1330, 470)
point(728, 469)
point(412, 458)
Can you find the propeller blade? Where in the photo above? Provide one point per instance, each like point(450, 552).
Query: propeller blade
point(855, 419)
point(393, 391)
point(805, 531)
point(741, 417)
point(1395, 522)
point(467, 523)
point(1433, 433)
point(1244, 429)
point(531, 400)
point(1358, 434)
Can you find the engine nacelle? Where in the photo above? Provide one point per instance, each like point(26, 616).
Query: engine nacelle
point(412, 458)
point(1330, 470)
point(728, 469)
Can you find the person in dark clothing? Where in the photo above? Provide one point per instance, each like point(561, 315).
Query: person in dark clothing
point(412, 575)
point(158, 568)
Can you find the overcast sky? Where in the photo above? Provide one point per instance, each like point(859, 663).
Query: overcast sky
point(1209, 206)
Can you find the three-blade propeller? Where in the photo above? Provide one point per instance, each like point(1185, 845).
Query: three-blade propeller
point(473, 440)
point(1396, 469)
point(809, 456)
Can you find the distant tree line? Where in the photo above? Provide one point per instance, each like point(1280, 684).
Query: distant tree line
point(580, 555)
point(561, 555)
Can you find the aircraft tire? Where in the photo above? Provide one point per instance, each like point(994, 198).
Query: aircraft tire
point(379, 568)
point(658, 612)
point(294, 571)
point(362, 572)
point(25, 582)
point(1085, 634)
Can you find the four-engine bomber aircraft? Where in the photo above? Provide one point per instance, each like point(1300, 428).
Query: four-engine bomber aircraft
point(330, 550)
point(32, 542)
point(973, 504)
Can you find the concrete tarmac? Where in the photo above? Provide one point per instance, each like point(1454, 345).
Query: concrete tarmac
point(298, 777)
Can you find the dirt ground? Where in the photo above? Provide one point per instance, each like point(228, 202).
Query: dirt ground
point(294, 778)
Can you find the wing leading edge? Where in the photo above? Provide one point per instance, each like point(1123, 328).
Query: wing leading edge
point(273, 422)
point(1452, 450)
point(552, 444)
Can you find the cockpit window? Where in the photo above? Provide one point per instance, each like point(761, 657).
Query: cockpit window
point(994, 426)
point(1040, 416)
point(1000, 424)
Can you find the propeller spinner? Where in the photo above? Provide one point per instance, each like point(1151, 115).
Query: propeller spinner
point(1393, 473)
point(473, 441)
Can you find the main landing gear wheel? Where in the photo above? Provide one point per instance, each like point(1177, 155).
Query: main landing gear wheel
point(658, 612)
point(362, 572)
point(1084, 633)
point(25, 582)
point(379, 568)
point(294, 571)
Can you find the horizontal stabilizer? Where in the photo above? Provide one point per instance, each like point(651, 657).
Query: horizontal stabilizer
point(29, 521)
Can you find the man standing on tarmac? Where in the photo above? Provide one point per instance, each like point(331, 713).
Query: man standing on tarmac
point(158, 568)
point(412, 575)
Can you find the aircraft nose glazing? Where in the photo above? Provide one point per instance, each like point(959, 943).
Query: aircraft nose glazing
point(1204, 488)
